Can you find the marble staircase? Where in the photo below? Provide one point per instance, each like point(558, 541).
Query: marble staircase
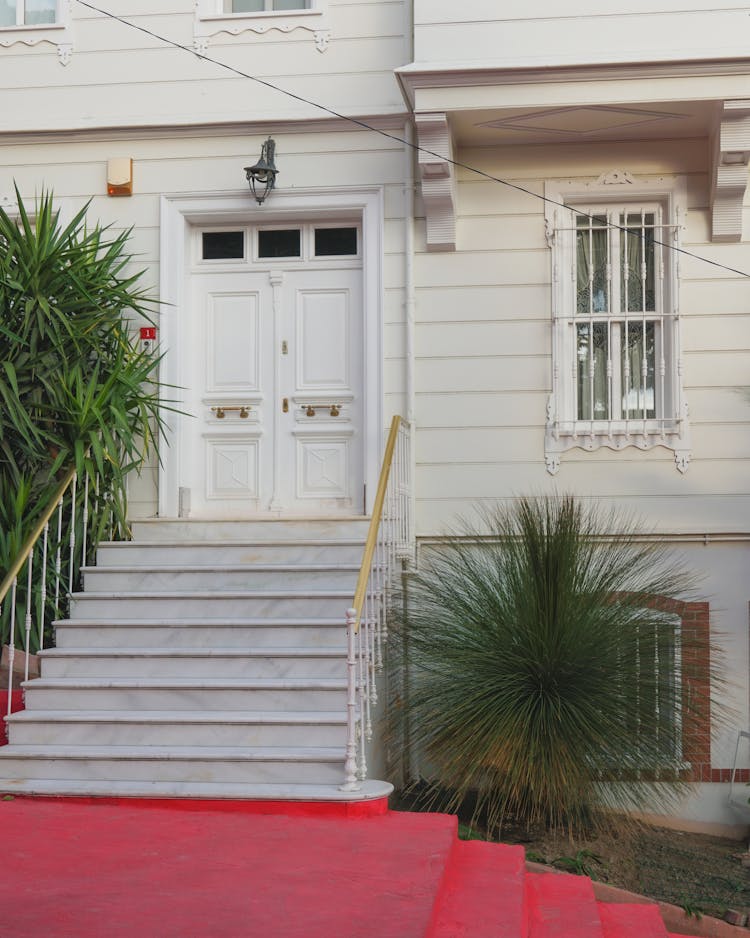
point(201, 660)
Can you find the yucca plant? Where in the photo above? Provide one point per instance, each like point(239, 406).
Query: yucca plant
point(537, 669)
point(75, 389)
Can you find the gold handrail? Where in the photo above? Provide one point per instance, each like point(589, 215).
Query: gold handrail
point(377, 513)
point(35, 534)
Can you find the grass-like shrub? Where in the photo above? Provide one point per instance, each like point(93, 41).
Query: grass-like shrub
point(537, 673)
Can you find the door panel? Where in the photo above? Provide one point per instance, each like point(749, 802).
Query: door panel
point(233, 342)
point(274, 367)
point(322, 445)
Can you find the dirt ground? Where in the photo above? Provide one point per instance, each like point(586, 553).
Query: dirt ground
point(702, 874)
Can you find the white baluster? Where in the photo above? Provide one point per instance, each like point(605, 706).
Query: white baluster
point(43, 587)
point(72, 532)
point(27, 620)
point(350, 762)
point(12, 641)
point(58, 555)
point(85, 520)
point(363, 700)
point(372, 690)
point(381, 581)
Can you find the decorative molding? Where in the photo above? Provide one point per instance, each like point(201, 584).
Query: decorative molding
point(682, 459)
point(550, 229)
point(616, 177)
point(235, 128)
point(558, 441)
point(438, 180)
point(57, 34)
point(418, 76)
point(209, 22)
point(729, 177)
point(179, 212)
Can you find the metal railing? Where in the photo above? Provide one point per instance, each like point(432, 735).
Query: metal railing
point(36, 589)
point(389, 539)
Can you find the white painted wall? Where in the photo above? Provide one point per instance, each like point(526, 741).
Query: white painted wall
point(76, 172)
point(519, 33)
point(191, 126)
point(484, 352)
point(484, 373)
point(120, 76)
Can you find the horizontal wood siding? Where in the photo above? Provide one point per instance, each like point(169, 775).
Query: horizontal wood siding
point(76, 173)
point(119, 76)
point(545, 33)
point(484, 364)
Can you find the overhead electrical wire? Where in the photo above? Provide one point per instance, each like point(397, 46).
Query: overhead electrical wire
point(458, 164)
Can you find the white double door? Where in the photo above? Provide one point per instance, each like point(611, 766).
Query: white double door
point(274, 383)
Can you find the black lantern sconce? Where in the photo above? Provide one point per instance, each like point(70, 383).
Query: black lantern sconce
point(262, 176)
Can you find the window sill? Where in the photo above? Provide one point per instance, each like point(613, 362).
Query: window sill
point(269, 15)
point(208, 25)
point(561, 436)
point(57, 34)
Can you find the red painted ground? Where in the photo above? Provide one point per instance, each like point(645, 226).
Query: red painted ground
point(88, 870)
point(107, 868)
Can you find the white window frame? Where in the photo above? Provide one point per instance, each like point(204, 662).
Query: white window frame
point(211, 20)
point(57, 34)
point(669, 428)
point(269, 8)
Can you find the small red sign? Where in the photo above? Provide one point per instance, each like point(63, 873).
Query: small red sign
point(148, 332)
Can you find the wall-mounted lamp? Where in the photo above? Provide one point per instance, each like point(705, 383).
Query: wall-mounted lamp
point(262, 176)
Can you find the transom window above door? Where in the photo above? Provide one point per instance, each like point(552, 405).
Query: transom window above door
point(311, 243)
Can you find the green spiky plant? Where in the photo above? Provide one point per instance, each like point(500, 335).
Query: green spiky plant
point(534, 668)
point(75, 389)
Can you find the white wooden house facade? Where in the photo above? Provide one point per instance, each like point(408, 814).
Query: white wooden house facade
point(553, 286)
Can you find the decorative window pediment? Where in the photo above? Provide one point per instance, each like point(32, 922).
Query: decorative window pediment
point(617, 371)
point(30, 24)
point(235, 17)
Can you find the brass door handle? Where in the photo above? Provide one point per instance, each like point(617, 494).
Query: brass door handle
point(285, 405)
point(333, 409)
point(221, 412)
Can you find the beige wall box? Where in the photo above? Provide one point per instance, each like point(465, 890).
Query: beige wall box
point(120, 176)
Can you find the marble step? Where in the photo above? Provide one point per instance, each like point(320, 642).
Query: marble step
point(177, 728)
point(130, 553)
point(226, 764)
point(370, 790)
point(194, 663)
point(188, 694)
point(243, 633)
point(189, 578)
point(201, 604)
point(292, 529)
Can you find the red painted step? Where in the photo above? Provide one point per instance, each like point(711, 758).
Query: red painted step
point(562, 906)
point(631, 921)
point(172, 869)
point(482, 894)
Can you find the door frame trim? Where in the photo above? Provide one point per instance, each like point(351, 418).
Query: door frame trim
point(179, 213)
